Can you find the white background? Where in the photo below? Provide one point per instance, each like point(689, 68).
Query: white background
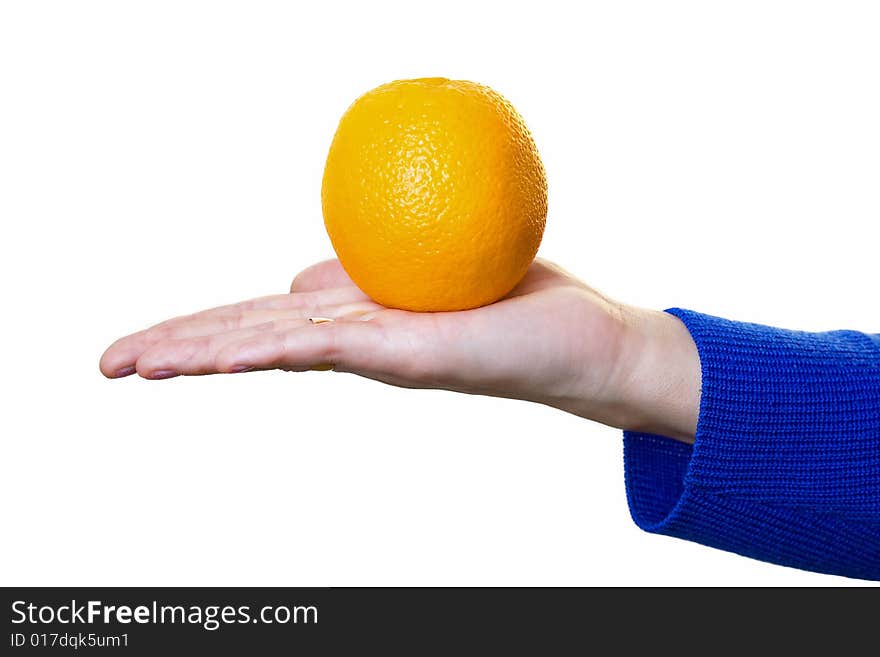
point(159, 158)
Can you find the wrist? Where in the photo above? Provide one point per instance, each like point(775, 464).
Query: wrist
point(658, 377)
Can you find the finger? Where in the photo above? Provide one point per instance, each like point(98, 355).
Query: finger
point(120, 357)
point(348, 345)
point(321, 276)
point(197, 355)
point(383, 349)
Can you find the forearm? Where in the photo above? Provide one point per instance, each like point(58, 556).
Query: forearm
point(785, 463)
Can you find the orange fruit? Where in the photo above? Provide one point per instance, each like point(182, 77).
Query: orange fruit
point(434, 196)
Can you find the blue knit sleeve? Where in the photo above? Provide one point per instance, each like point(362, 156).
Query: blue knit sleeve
point(786, 463)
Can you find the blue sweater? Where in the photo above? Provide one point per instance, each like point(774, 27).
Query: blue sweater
point(786, 463)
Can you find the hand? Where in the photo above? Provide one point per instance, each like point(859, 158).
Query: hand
point(552, 340)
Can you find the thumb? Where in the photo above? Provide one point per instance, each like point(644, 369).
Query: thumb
point(321, 276)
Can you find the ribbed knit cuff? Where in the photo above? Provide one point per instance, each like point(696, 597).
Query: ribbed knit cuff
point(786, 463)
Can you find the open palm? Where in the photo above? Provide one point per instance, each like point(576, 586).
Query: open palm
point(552, 340)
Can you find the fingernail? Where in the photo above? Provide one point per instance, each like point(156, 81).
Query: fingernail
point(124, 371)
point(322, 367)
point(163, 374)
point(237, 369)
